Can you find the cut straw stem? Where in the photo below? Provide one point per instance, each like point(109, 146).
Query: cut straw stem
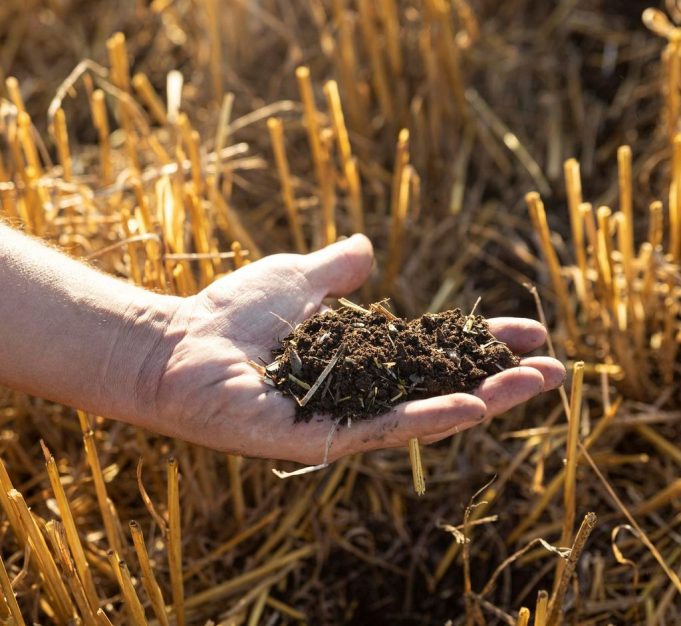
point(554, 486)
point(573, 188)
point(60, 599)
point(624, 243)
point(605, 248)
point(658, 22)
point(14, 93)
point(57, 536)
point(148, 95)
point(416, 467)
point(523, 617)
point(569, 488)
point(541, 608)
point(399, 206)
point(626, 196)
point(568, 570)
point(10, 598)
point(149, 581)
point(348, 161)
point(120, 76)
point(100, 490)
point(175, 541)
point(655, 226)
point(311, 116)
point(130, 599)
point(71, 531)
point(101, 123)
point(675, 201)
point(61, 139)
point(276, 130)
point(327, 192)
point(102, 618)
point(15, 522)
point(25, 134)
point(538, 216)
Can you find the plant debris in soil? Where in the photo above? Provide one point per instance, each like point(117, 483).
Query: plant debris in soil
point(358, 363)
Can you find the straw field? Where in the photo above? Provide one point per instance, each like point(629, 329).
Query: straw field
point(525, 153)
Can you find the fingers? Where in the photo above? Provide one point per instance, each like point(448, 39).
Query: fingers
point(521, 334)
point(552, 371)
point(514, 386)
point(509, 388)
point(420, 418)
point(341, 267)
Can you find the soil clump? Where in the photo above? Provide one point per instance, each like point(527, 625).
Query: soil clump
point(357, 363)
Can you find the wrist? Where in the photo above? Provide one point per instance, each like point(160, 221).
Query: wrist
point(143, 342)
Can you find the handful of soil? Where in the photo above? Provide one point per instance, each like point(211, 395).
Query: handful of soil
point(357, 363)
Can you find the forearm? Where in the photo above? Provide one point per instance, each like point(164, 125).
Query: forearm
point(71, 334)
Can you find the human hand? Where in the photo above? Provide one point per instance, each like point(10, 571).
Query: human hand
point(208, 394)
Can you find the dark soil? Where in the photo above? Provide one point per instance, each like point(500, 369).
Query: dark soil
point(379, 362)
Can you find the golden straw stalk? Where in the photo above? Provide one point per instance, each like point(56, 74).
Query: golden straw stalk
point(132, 603)
point(416, 467)
point(398, 207)
point(569, 485)
point(175, 541)
point(626, 196)
point(328, 191)
point(541, 226)
point(148, 578)
point(71, 530)
point(675, 201)
point(61, 139)
point(655, 229)
point(556, 606)
point(60, 599)
point(57, 536)
point(348, 162)
point(573, 187)
point(10, 598)
point(311, 119)
point(14, 92)
point(541, 608)
point(101, 123)
point(100, 490)
point(148, 95)
point(523, 617)
point(25, 134)
point(102, 619)
point(276, 129)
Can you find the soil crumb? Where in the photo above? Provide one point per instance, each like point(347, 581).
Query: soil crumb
point(357, 363)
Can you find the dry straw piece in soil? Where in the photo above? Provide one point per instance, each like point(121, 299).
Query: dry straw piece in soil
point(216, 132)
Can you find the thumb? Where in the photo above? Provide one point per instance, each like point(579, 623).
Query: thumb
point(341, 267)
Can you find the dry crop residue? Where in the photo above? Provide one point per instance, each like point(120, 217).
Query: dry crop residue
point(353, 364)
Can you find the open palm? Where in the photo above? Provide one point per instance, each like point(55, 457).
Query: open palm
point(209, 394)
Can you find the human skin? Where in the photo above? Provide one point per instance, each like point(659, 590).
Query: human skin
point(179, 366)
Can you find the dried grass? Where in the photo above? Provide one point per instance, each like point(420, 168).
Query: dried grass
point(213, 133)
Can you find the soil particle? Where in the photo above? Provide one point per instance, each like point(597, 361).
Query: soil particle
point(353, 364)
